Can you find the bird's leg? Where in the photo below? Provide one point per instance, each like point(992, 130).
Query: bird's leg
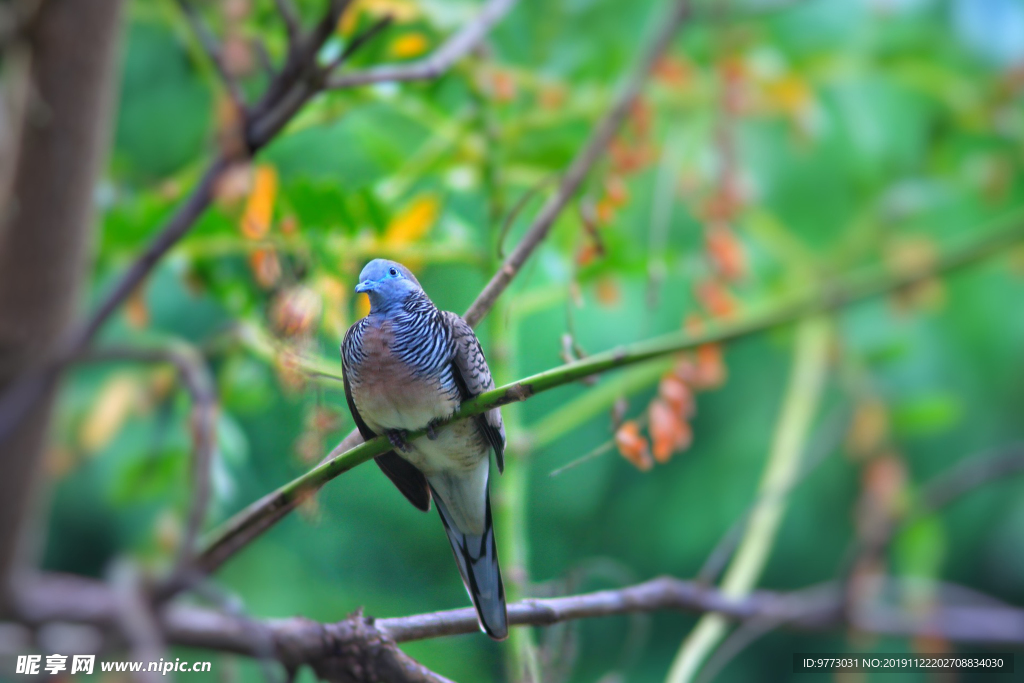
point(432, 428)
point(397, 438)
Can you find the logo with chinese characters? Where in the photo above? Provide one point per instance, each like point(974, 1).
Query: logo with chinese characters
point(31, 664)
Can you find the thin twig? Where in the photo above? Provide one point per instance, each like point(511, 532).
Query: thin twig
point(197, 381)
point(259, 47)
point(435, 65)
point(359, 41)
point(513, 213)
point(213, 51)
point(249, 523)
point(581, 164)
point(597, 451)
point(970, 474)
point(176, 228)
point(946, 488)
point(290, 18)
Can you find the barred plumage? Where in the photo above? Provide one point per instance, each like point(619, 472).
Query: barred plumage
point(407, 366)
point(422, 341)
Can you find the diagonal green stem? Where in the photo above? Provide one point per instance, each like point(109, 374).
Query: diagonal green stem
point(794, 424)
point(261, 515)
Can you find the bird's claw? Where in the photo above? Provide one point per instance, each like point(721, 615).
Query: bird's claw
point(397, 439)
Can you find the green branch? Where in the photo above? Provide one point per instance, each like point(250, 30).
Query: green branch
point(238, 531)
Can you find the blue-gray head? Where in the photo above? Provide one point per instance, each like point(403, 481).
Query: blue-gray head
point(387, 283)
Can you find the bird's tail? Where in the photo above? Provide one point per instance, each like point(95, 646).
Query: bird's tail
point(477, 558)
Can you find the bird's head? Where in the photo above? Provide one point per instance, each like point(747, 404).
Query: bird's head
point(387, 283)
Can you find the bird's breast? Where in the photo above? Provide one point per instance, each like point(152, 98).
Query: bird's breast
point(390, 394)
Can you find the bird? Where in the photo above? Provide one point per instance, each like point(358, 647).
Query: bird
point(408, 366)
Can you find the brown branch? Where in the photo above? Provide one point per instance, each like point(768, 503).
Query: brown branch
point(435, 65)
point(136, 617)
point(581, 165)
point(347, 651)
point(298, 640)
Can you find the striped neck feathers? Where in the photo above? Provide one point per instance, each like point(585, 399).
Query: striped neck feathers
point(415, 303)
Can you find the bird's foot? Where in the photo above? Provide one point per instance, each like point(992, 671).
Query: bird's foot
point(397, 439)
point(432, 429)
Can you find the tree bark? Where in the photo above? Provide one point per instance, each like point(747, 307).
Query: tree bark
point(45, 234)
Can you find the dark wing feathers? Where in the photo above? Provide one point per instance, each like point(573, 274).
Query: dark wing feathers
point(409, 480)
point(469, 367)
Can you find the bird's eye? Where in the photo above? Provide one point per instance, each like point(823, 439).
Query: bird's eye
point(393, 272)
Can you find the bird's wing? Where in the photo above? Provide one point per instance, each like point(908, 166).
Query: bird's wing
point(403, 474)
point(469, 367)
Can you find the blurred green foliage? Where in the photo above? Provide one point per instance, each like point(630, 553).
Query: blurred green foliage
point(840, 135)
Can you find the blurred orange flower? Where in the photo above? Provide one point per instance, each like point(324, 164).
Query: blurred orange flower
point(716, 298)
point(295, 310)
point(632, 446)
point(711, 372)
point(725, 252)
point(265, 267)
point(669, 431)
point(677, 395)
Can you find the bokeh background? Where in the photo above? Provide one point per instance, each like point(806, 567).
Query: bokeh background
point(777, 145)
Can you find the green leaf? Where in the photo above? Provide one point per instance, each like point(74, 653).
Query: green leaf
point(926, 415)
point(920, 550)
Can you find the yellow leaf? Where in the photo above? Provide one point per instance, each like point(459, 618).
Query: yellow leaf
point(790, 94)
point(409, 45)
point(260, 208)
point(109, 411)
point(413, 222)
